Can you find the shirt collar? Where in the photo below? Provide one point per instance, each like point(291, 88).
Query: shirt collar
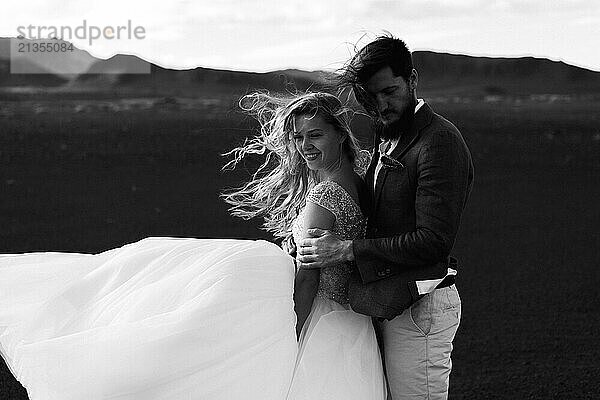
point(420, 103)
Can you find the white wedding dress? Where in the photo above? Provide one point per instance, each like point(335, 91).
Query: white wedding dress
point(183, 318)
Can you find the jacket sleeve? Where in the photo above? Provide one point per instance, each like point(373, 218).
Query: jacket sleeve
point(444, 175)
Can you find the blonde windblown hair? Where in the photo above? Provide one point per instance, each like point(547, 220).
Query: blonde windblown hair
point(278, 188)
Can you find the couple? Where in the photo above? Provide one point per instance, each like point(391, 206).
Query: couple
point(183, 318)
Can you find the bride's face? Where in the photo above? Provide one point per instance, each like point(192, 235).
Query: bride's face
point(317, 141)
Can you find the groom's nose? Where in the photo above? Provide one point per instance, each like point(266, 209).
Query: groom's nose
point(381, 104)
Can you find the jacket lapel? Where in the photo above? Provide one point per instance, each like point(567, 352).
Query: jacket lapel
point(379, 185)
point(408, 139)
point(422, 119)
point(370, 175)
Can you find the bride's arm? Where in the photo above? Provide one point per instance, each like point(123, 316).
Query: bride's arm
point(305, 289)
point(307, 281)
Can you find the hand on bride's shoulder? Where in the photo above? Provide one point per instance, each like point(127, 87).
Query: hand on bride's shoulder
point(323, 248)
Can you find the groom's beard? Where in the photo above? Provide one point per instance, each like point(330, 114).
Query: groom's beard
point(395, 129)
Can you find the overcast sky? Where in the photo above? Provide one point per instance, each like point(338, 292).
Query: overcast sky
point(265, 35)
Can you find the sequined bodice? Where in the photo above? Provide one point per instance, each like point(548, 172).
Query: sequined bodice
point(349, 224)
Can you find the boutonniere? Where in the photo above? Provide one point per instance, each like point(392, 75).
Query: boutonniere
point(389, 162)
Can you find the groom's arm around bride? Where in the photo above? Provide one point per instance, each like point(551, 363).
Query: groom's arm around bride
point(420, 176)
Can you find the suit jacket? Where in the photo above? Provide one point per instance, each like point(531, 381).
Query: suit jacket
point(421, 191)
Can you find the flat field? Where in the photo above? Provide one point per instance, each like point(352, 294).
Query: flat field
point(89, 175)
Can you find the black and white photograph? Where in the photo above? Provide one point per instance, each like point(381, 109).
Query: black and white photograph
point(299, 200)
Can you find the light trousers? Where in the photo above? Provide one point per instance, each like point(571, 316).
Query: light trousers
point(417, 346)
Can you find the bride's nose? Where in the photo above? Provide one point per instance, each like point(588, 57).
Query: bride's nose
point(306, 144)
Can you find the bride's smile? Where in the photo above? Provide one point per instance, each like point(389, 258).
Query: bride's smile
point(311, 156)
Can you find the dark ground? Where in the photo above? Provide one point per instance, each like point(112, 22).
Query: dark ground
point(529, 244)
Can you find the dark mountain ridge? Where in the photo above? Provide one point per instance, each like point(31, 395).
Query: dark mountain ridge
point(439, 74)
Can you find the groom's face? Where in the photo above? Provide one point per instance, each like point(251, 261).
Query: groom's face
point(392, 95)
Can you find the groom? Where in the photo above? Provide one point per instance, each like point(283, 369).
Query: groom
point(420, 177)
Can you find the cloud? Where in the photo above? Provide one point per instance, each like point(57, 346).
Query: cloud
point(269, 34)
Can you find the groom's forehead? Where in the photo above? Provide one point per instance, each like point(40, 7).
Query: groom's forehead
point(381, 79)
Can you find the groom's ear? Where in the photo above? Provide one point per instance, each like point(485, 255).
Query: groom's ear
point(413, 79)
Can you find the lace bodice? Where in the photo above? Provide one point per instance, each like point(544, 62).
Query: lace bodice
point(349, 224)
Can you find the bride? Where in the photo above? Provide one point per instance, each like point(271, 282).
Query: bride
point(185, 318)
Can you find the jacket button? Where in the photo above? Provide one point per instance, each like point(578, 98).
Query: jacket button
point(387, 271)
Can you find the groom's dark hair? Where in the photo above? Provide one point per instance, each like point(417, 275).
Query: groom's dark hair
point(384, 51)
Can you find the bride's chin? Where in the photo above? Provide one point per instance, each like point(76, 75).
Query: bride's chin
point(311, 167)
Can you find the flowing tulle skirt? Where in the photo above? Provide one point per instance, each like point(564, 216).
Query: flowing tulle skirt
point(176, 318)
point(338, 356)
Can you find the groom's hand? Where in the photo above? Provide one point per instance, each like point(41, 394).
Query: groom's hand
point(323, 249)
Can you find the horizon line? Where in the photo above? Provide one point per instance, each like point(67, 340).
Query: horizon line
point(432, 50)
